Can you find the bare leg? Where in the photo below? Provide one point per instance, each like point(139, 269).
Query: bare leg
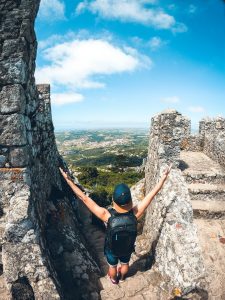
point(112, 272)
point(124, 270)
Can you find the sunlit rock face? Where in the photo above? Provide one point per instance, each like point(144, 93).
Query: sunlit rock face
point(44, 254)
point(169, 231)
point(213, 133)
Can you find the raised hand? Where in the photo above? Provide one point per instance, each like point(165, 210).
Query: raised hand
point(168, 169)
point(65, 174)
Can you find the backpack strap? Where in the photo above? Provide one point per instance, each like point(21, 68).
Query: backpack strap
point(112, 211)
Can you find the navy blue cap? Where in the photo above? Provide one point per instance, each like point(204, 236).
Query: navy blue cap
point(121, 194)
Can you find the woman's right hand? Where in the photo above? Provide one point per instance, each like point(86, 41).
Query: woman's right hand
point(167, 171)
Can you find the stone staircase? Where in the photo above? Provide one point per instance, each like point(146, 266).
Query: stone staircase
point(206, 184)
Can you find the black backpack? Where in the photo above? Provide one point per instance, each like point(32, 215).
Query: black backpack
point(121, 232)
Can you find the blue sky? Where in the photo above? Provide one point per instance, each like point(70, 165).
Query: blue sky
point(116, 63)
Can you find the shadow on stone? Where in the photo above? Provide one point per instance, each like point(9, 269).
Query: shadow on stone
point(145, 262)
point(203, 294)
point(22, 290)
point(66, 251)
point(1, 212)
point(182, 165)
point(197, 293)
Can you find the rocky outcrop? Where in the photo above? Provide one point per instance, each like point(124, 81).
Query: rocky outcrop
point(168, 227)
point(184, 225)
point(44, 254)
point(213, 133)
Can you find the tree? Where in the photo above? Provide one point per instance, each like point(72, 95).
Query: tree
point(88, 175)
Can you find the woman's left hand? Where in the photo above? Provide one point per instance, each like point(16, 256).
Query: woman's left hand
point(65, 175)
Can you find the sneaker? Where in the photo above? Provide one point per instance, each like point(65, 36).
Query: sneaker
point(119, 276)
point(122, 279)
point(113, 280)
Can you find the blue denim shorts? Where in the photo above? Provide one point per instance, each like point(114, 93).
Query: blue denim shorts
point(113, 260)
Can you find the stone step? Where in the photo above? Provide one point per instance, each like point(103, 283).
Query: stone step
point(208, 209)
point(206, 192)
point(199, 168)
point(203, 177)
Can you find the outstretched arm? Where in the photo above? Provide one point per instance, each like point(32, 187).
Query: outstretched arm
point(142, 206)
point(97, 210)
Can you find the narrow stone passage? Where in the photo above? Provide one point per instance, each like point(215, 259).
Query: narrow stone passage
point(142, 283)
point(95, 237)
point(206, 184)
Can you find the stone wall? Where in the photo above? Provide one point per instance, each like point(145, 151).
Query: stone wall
point(165, 140)
point(193, 143)
point(169, 230)
point(213, 133)
point(209, 139)
point(44, 254)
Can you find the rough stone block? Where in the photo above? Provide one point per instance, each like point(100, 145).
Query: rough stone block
point(12, 99)
point(43, 89)
point(15, 48)
point(2, 161)
point(8, 4)
point(19, 157)
point(27, 30)
point(12, 130)
point(13, 71)
point(213, 132)
point(9, 28)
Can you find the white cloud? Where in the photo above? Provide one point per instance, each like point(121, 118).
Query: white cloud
point(156, 42)
point(55, 38)
point(129, 11)
point(66, 98)
point(196, 109)
point(173, 100)
point(71, 35)
point(58, 38)
point(52, 10)
point(80, 63)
